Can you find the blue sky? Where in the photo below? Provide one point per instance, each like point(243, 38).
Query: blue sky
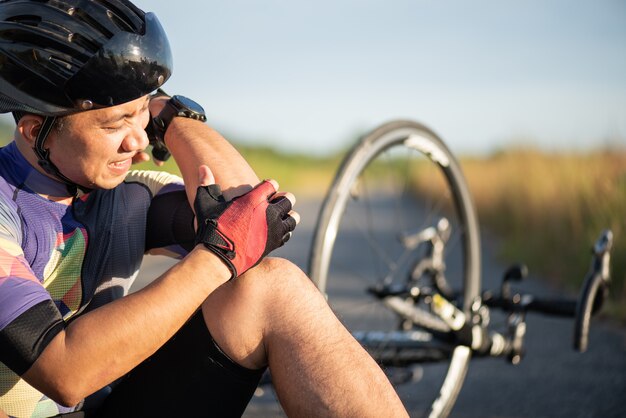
point(310, 75)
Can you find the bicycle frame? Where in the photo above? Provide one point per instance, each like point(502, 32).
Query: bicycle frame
point(434, 335)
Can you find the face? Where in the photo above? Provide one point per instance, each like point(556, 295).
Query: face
point(95, 148)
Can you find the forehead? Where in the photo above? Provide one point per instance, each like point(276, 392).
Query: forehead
point(113, 113)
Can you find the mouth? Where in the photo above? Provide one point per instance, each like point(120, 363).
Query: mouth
point(121, 167)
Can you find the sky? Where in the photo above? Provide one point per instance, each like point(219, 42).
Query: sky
point(309, 76)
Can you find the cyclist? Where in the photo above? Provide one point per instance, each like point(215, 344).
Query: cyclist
point(75, 222)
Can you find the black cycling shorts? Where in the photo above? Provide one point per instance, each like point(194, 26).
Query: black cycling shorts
point(190, 376)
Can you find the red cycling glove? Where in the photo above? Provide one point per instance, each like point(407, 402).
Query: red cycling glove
point(244, 230)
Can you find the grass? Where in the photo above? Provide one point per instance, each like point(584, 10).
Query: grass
point(548, 209)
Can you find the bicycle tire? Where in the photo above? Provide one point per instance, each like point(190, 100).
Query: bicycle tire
point(418, 141)
point(594, 291)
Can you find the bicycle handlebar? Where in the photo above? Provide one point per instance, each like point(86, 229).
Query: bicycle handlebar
point(592, 295)
point(555, 307)
point(529, 303)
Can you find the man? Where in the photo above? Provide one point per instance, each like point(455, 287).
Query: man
point(75, 222)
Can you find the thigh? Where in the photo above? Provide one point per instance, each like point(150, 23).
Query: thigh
point(189, 376)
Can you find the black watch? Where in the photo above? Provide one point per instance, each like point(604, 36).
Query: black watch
point(179, 106)
point(176, 106)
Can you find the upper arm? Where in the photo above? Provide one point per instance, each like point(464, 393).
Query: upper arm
point(169, 224)
point(29, 318)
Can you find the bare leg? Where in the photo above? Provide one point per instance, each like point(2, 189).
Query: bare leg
point(274, 315)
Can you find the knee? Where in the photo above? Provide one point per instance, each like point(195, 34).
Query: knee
point(278, 265)
point(276, 277)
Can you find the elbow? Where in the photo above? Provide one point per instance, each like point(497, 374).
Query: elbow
point(70, 402)
point(68, 397)
point(61, 391)
point(64, 391)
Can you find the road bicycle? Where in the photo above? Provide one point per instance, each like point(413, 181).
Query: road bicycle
point(411, 291)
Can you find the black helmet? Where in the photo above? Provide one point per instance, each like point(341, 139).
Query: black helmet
point(65, 56)
point(59, 57)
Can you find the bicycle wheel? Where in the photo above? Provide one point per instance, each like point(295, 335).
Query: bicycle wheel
point(399, 179)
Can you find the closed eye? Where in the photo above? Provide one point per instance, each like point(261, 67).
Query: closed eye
point(112, 128)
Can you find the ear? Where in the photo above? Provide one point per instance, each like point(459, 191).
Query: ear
point(28, 127)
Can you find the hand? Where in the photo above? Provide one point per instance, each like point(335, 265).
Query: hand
point(141, 157)
point(159, 150)
point(244, 230)
point(156, 105)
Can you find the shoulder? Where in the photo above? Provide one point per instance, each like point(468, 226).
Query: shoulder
point(9, 212)
point(155, 181)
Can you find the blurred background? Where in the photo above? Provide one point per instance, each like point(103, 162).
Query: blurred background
point(531, 95)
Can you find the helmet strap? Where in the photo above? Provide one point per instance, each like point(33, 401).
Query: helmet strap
point(44, 161)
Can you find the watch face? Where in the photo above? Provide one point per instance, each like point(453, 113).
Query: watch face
point(186, 103)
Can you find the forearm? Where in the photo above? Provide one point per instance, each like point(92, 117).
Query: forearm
point(105, 344)
point(193, 143)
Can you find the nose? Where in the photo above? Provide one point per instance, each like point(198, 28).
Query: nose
point(136, 140)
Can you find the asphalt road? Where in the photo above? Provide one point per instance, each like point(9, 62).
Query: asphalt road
point(551, 381)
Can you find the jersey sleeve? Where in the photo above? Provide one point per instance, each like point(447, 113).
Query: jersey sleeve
point(169, 229)
point(29, 318)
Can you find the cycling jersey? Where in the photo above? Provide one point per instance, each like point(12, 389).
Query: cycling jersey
point(58, 261)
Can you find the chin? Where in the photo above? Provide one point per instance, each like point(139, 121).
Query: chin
point(107, 184)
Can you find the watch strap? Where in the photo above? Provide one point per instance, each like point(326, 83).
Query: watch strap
point(158, 125)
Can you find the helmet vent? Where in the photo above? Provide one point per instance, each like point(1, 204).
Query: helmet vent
point(61, 63)
point(122, 24)
point(84, 42)
point(82, 15)
point(29, 20)
point(124, 15)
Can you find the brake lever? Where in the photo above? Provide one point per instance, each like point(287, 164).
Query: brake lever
point(594, 291)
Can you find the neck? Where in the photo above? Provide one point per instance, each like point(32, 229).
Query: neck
point(38, 180)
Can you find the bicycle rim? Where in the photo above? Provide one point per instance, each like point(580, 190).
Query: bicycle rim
point(399, 179)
